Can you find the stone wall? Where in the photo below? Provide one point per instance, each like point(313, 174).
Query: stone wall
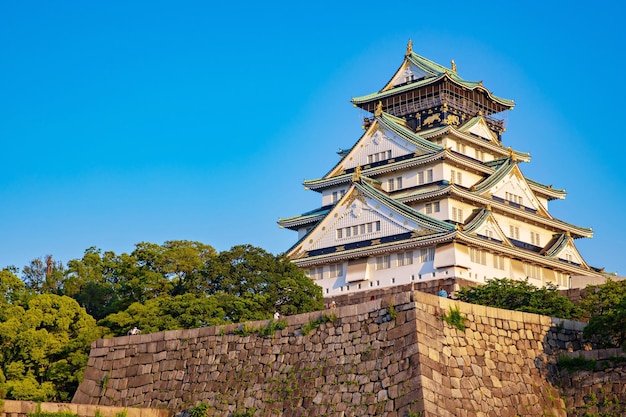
point(430, 287)
point(393, 356)
point(9, 408)
point(599, 389)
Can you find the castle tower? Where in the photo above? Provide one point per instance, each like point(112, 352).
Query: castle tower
point(429, 191)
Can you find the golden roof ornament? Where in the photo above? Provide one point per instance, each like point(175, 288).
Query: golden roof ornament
point(356, 175)
point(409, 47)
point(379, 109)
point(453, 65)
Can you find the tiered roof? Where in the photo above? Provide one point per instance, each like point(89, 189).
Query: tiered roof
point(415, 145)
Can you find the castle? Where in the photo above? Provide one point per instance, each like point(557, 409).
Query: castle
point(430, 192)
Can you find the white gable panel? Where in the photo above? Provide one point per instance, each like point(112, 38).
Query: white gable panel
point(408, 72)
point(378, 145)
point(570, 254)
point(491, 230)
point(514, 188)
point(481, 129)
point(356, 219)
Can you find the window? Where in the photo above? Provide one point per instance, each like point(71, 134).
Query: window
point(335, 196)
point(336, 271)
point(316, 273)
point(457, 214)
point(478, 256)
point(498, 261)
point(460, 147)
point(532, 271)
point(514, 198)
point(480, 155)
point(456, 176)
point(383, 262)
point(378, 156)
point(514, 232)
point(534, 239)
point(427, 255)
point(405, 258)
point(394, 184)
point(432, 207)
point(489, 234)
point(358, 230)
point(425, 176)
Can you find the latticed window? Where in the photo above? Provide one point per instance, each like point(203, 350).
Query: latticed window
point(336, 271)
point(316, 273)
point(532, 271)
point(478, 256)
point(534, 239)
point(427, 255)
point(383, 262)
point(405, 258)
point(498, 262)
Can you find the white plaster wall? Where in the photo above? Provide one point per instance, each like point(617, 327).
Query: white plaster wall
point(450, 262)
point(327, 195)
point(467, 178)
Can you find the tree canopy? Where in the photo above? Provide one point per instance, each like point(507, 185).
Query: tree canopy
point(521, 296)
point(44, 343)
point(605, 306)
point(50, 317)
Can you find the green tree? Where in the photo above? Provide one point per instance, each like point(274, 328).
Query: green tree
point(605, 306)
point(44, 347)
point(178, 261)
point(43, 276)
point(242, 284)
point(521, 296)
point(93, 282)
point(186, 311)
point(11, 287)
point(253, 284)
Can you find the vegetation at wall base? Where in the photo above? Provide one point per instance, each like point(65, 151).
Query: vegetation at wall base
point(39, 413)
point(199, 410)
point(574, 364)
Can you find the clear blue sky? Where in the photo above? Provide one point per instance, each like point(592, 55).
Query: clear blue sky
point(130, 121)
